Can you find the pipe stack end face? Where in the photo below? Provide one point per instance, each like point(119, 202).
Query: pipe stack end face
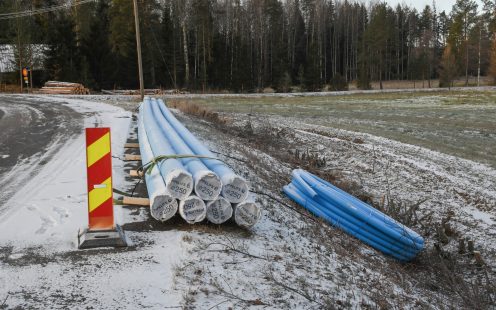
point(192, 209)
point(163, 207)
point(247, 214)
point(179, 184)
point(219, 211)
point(235, 189)
point(207, 185)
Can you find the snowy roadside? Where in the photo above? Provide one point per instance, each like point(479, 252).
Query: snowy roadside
point(40, 266)
point(289, 260)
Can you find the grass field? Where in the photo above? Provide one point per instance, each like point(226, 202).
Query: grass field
point(462, 124)
point(402, 152)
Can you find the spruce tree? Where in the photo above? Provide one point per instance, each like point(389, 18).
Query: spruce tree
point(63, 59)
point(96, 49)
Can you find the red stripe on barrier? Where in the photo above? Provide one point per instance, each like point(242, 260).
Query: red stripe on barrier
point(99, 171)
point(93, 134)
point(101, 216)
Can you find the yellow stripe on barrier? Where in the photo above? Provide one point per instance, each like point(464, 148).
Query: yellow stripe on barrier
point(99, 194)
point(98, 149)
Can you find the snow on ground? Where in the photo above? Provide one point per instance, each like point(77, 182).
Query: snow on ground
point(40, 266)
point(289, 260)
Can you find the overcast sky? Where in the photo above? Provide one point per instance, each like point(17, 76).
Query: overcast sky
point(441, 5)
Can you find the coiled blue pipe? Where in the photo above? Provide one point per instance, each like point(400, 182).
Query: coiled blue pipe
point(354, 216)
point(207, 185)
point(299, 198)
point(178, 180)
point(362, 211)
point(235, 188)
point(390, 222)
point(357, 225)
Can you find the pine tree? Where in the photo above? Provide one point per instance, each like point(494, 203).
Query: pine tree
point(122, 42)
point(464, 15)
point(96, 49)
point(492, 65)
point(448, 68)
point(63, 59)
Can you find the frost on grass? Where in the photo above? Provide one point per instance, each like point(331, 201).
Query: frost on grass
point(293, 260)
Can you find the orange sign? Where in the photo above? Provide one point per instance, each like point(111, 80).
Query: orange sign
point(24, 72)
point(99, 175)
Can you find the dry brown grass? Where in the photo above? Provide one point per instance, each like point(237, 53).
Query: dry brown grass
point(197, 110)
point(9, 88)
point(418, 84)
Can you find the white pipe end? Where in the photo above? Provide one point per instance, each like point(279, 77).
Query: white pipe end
point(163, 207)
point(179, 183)
point(207, 185)
point(192, 209)
point(235, 188)
point(219, 210)
point(247, 214)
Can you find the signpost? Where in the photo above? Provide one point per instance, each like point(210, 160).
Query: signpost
point(25, 76)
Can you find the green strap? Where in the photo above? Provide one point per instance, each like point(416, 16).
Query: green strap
point(148, 167)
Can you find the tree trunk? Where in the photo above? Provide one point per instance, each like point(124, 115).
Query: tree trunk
point(186, 58)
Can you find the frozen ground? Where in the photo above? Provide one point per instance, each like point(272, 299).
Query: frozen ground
point(289, 259)
point(40, 266)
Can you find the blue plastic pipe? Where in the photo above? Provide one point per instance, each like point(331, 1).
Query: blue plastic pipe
point(178, 180)
point(357, 225)
point(363, 211)
point(162, 205)
point(235, 188)
point(207, 185)
point(292, 192)
point(369, 210)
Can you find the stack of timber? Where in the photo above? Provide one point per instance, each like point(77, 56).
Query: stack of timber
point(64, 88)
point(133, 92)
point(182, 174)
point(148, 92)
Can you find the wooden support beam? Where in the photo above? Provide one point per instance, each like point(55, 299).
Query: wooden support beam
point(132, 157)
point(135, 174)
point(131, 145)
point(135, 201)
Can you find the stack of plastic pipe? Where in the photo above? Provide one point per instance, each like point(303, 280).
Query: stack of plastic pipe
point(163, 205)
point(205, 187)
point(353, 216)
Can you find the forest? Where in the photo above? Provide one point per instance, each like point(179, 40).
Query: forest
point(250, 45)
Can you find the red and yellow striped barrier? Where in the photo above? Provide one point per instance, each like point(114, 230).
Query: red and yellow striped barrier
point(99, 175)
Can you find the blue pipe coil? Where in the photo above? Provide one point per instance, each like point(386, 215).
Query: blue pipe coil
point(366, 213)
point(337, 222)
point(354, 216)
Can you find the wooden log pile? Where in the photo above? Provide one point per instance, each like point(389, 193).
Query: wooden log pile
point(64, 88)
point(148, 92)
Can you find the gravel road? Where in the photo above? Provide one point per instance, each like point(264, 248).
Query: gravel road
point(31, 130)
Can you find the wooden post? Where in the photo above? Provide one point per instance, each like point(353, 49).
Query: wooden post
point(138, 47)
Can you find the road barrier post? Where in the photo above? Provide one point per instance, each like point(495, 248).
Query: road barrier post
point(101, 231)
